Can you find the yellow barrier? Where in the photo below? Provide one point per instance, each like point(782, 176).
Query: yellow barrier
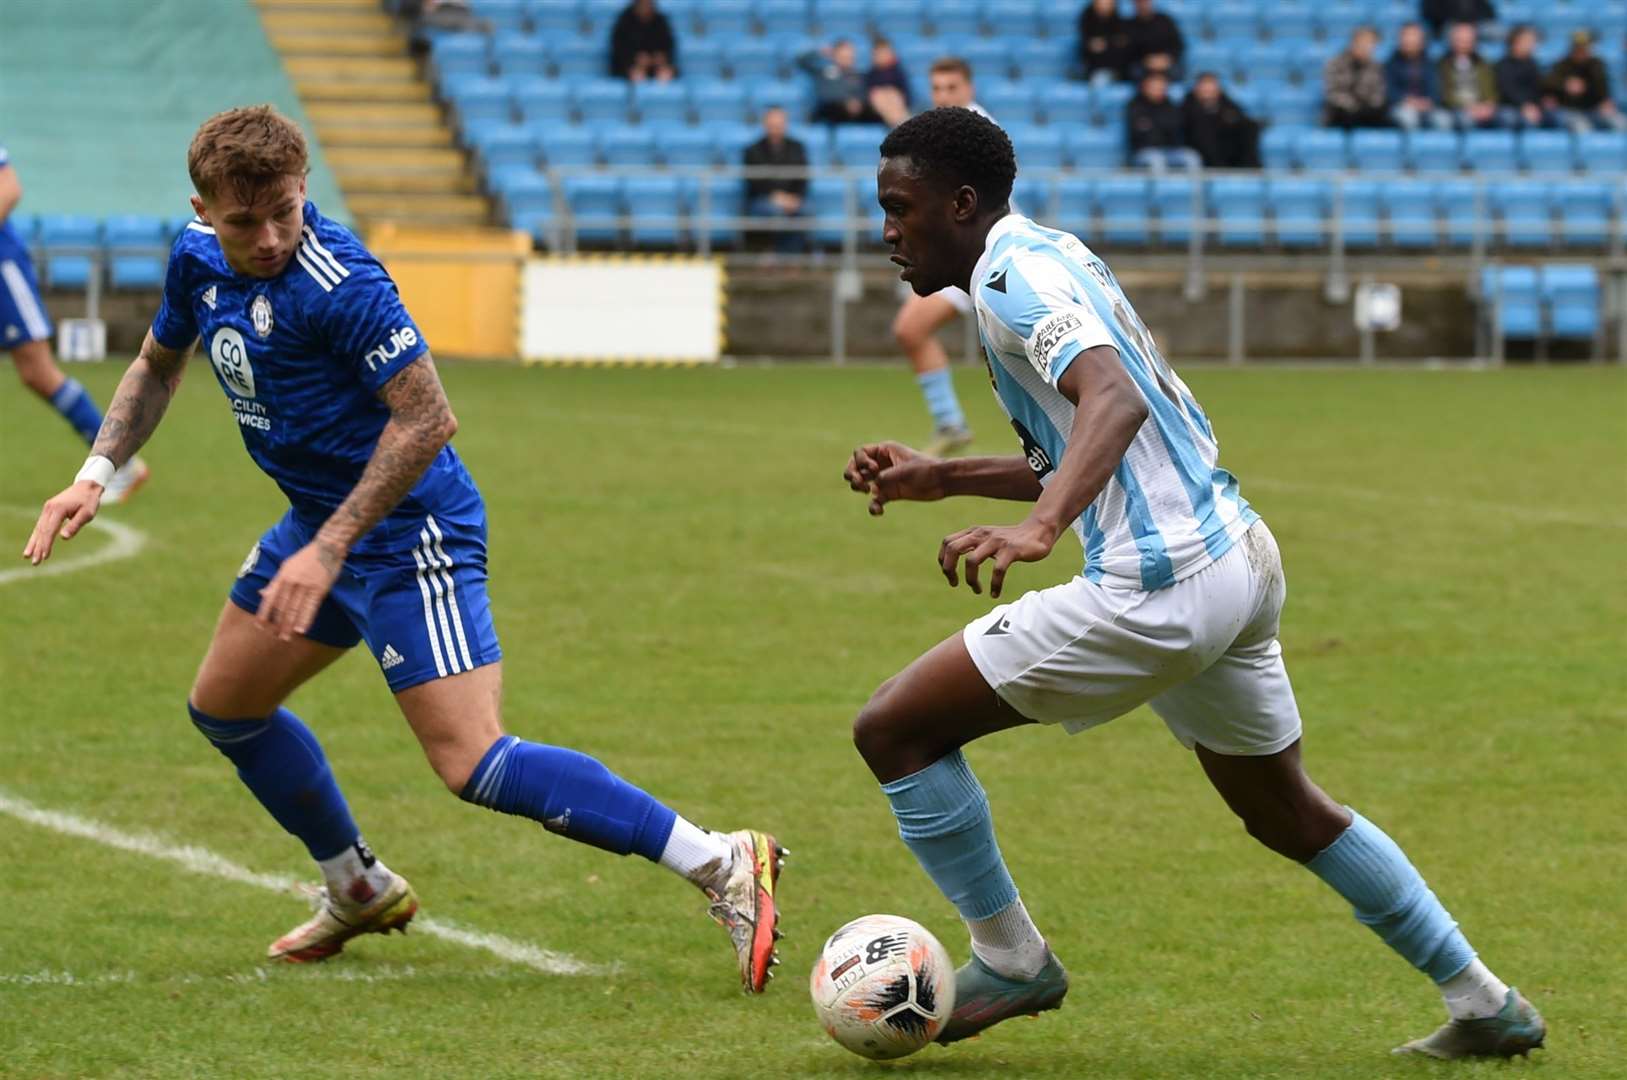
point(462, 286)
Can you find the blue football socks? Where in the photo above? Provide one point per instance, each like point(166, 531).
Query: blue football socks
point(279, 759)
point(73, 401)
point(1368, 869)
point(943, 817)
point(571, 794)
point(939, 390)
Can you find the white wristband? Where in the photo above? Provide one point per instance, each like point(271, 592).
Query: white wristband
point(98, 470)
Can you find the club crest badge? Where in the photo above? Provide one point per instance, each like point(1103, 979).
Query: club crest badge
point(260, 313)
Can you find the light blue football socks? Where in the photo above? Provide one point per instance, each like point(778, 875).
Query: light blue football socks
point(938, 387)
point(1368, 869)
point(73, 401)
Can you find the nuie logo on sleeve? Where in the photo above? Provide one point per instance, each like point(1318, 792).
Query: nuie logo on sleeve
point(400, 340)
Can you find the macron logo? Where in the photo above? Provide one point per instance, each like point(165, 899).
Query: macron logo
point(389, 658)
point(400, 340)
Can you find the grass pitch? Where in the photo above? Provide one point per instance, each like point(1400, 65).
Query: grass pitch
point(685, 588)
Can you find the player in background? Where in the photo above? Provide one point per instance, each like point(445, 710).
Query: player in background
point(338, 401)
point(919, 320)
point(25, 332)
point(1177, 607)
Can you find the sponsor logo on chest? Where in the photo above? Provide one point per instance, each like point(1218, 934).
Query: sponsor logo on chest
point(260, 315)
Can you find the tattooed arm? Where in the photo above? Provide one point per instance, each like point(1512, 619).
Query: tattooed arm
point(138, 404)
point(421, 422)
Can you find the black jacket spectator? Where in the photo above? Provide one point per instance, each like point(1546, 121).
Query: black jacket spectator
point(1595, 83)
point(1104, 40)
point(1154, 123)
point(1440, 14)
point(1519, 81)
point(1224, 136)
point(1153, 35)
point(786, 153)
point(641, 34)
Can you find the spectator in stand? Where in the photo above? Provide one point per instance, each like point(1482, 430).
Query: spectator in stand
point(1441, 14)
point(1217, 128)
point(1519, 83)
point(1155, 42)
point(1353, 88)
point(889, 90)
point(1579, 89)
point(1468, 85)
point(641, 44)
point(1412, 84)
point(1104, 42)
point(839, 91)
point(430, 17)
point(777, 197)
point(1156, 127)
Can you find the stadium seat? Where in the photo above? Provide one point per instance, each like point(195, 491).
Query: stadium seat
point(1334, 25)
point(137, 247)
point(1320, 150)
point(1037, 147)
point(857, 145)
point(1546, 152)
point(827, 202)
point(1602, 152)
point(1512, 301)
point(1522, 207)
point(1277, 147)
point(753, 60)
point(566, 147)
point(453, 55)
point(480, 101)
point(595, 207)
point(1173, 200)
point(555, 18)
point(664, 103)
point(840, 18)
point(731, 140)
point(1268, 63)
point(1409, 207)
point(1295, 106)
point(685, 146)
point(1288, 20)
point(656, 206)
point(990, 58)
point(1048, 61)
point(521, 57)
point(1299, 209)
point(1377, 150)
point(1032, 197)
point(710, 203)
point(1095, 148)
point(1571, 295)
point(601, 101)
point(726, 18)
point(1432, 151)
point(507, 17)
point(699, 59)
point(506, 147)
point(952, 17)
point(1358, 212)
point(543, 102)
point(776, 18)
point(1231, 20)
point(1066, 105)
point(1108, 104)
point(627, 144)
point(529, 201)
point(1489, 151)
point(719, 103)
point(1125, 210)
point(1461, 210)
point(71, 243)
point(815, 139)
point(1586, 212)
point(584, 58)
point(795, 96)
point(1075, 204)
point(1013, 18)
point(1238, 205)
point(1011, 102)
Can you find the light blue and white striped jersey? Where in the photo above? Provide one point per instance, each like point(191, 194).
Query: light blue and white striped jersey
point(1168, 510)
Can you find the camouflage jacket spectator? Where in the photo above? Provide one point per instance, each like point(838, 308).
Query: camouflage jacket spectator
point(1352, 85)
point(1452, 82)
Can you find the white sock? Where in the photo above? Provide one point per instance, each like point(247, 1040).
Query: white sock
point(1474, 992)
point(1009, 942)
point(355, 875)
point(699, 855)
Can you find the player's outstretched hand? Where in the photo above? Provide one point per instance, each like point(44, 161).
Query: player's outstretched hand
point(1029, 542)
point(289, 602)
point(63, 515)
point(891, 471)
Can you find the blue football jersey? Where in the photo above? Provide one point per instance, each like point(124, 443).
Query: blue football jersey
point(10, 243)
point(301, 358)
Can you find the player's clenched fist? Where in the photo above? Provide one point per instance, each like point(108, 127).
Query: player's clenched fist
point(891, 471)
point(63, 515)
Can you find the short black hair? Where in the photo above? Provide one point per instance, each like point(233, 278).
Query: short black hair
point(956, 146)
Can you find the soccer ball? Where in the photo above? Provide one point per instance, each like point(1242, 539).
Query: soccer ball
point(883, 987)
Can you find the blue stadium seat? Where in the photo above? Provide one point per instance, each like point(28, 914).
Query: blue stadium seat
point(521, 57)
point(1037, 147)
point(950, 17)
point(480, 101)
point(137, 246)
point(1048, 61)
point(1409, 206)
point(731, 140)
point(1334, 26)
point(1108, 103)
point(599, 15)
point(1571, 294)
point(815, 139)
point(1432, 151)
point(685, 146)
point(857, 145)
point(1523, 208)
point(506, 16)
point(1125, 210)
point(1013, 18)
point(27, 226)
point(840, 18)
point(900, 20)
point(1238, 205)
point(69, 242)
point(1546, 152)
point(507, 146)
point(1296, 106)
point(568, 146)
point(1489, 151)
point(1586, 211)
point(1377, 150)
point(710, 203)
point(685, 16)
point(1011, 102)
point(460, 54)
point(1075, 204)
point(529, 201)
point(1173, 200)
point(555, 18)
point(1319, 150)
point(1215, 56)
point(664, 103)
point(776, 18)
point(1513, 301)
point(699, 59)
point(1602, 152)
point(595, 205)
point(726, 18)
point(1277, 147)
point(795, 96)
point(1064, 105)
point(1460, 211)
point(627, 144)
point(659, 201)
point(1359, 212)
point(1231, 20)
point(1094, 148)
point(583, 58)
point(718, 102)
point(1299, 207)
point(1288, 20)
point(1264, 63)
point(543, 103)
point(601, 101)
point(827, 202)
point(1306, 59)
point(990, 58)
point(753, 60)
point(1032, 197)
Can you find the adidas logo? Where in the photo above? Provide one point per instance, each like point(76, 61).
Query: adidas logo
point(389, 658)
point(209, 297)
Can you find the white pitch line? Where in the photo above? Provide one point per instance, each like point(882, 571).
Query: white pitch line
point(202, 861)
point(1514, 513)
point(127, 541)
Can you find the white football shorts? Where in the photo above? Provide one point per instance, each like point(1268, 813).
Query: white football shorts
point(1202, 652)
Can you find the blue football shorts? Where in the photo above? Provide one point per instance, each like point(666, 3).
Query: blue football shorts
point(423, 613)
point(22, 314)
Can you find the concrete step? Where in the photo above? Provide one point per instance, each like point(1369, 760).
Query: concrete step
point(350, 90)
point(370, 68)
point(346, 135)
point(381, 115)
point(421, 209)
point(291, 43)
point(398, 159)
point(322, 20)
point(355, 183)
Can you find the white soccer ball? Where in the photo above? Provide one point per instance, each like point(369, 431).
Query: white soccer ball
point(883, 987)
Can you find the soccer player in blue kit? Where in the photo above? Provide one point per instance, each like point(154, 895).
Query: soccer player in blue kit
point(384, 543)
point(25, 332)
point(1177, 607)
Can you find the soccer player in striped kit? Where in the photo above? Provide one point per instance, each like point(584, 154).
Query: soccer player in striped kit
point(384, 542)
